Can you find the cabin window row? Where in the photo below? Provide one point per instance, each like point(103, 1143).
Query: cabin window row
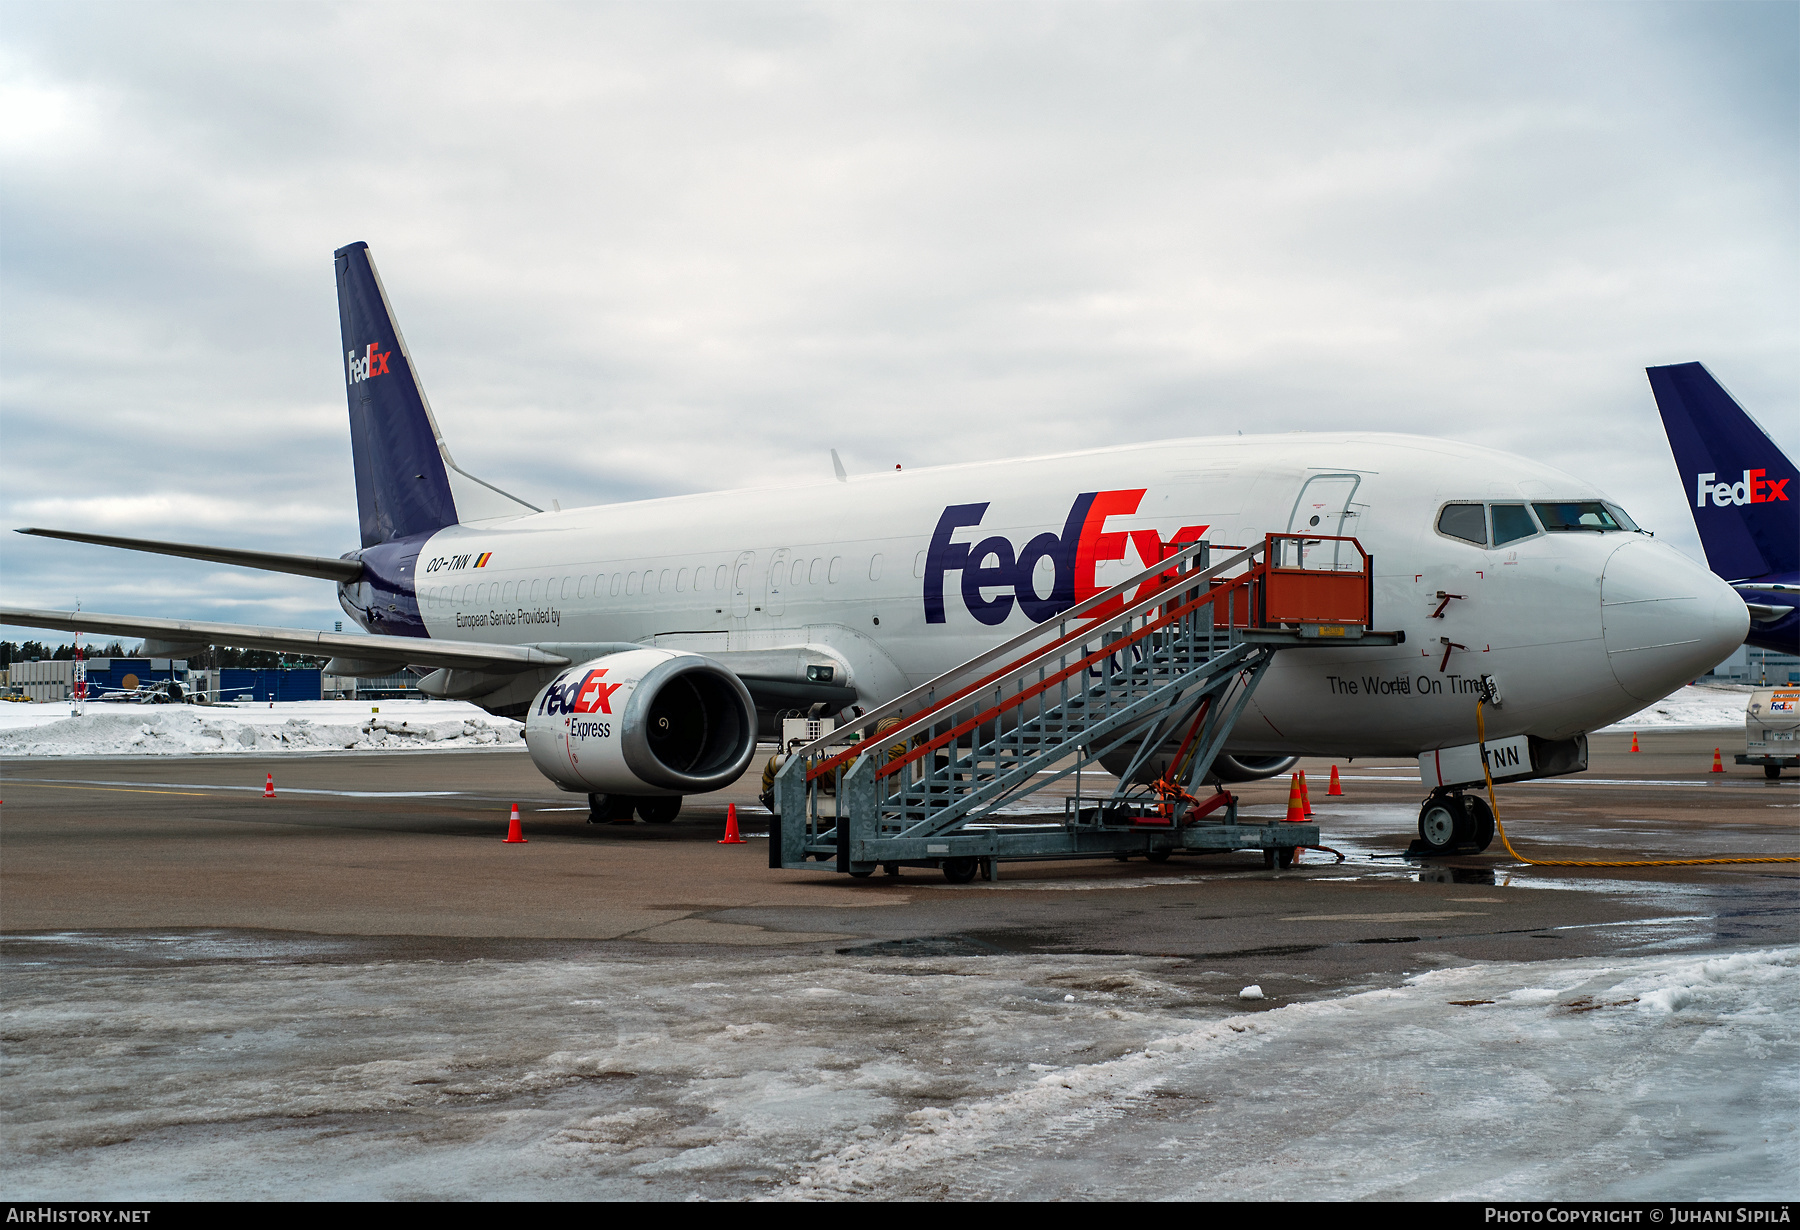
point(1500, 524)
point(821, 570)
point(595, 585)
point(816, 571)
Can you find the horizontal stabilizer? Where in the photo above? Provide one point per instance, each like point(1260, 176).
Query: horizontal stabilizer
point(345, 570)
point(413, 650)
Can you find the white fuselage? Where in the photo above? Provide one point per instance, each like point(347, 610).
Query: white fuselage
point(1577, 629)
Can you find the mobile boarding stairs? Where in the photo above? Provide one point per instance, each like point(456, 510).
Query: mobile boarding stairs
point(1159, 667)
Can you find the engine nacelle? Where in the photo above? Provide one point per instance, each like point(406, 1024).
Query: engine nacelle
point(1240, 767)
point(643, 722)
point(1226, 766)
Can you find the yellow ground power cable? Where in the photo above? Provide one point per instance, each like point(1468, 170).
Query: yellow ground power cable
point(1481, 734)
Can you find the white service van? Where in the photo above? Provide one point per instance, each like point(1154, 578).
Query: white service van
point(1770, 724)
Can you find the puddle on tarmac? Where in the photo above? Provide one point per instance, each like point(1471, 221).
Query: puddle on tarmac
point(1456, 875)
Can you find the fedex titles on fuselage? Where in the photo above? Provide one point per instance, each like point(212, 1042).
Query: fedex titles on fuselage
point(996, 574)
point(1754, 488)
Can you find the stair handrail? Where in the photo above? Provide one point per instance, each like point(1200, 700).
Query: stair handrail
point(898, 763)
point(1160, 568)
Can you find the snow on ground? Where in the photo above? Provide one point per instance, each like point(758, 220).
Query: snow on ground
point(287, 726)
point(219, 1066)
point(338, 725)
point(1696, 706)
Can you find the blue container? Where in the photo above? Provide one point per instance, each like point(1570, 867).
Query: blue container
point(267, 685)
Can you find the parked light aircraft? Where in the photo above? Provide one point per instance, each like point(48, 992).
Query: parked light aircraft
point(164, 692)
point(674, 628)
point(1743, 492)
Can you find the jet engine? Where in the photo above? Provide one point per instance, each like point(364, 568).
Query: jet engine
point(642, 722)
point(1229, 767)
point(1226, 766)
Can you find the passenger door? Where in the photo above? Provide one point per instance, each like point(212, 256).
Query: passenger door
point(1323, 508)
point(775, 603)
point(743, 578)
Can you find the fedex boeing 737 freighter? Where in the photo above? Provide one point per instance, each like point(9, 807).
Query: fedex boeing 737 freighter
point(688, 623)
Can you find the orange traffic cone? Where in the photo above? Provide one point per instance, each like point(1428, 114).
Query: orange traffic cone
point(1305, 796)
point(1296, 808)
point(269, 787)
point(1634, 746)
point(513, 836)
point(1335, 788)
point(731, 837)
point(1717, 766)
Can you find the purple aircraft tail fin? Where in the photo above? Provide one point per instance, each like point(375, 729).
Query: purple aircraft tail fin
point(1740, 486)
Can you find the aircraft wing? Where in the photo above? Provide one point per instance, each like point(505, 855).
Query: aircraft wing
point(417, 651)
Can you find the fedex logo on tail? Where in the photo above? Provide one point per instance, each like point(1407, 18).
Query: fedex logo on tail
point(371, 362)
point(590, 694)
point(1753, 489)
point(995, 575)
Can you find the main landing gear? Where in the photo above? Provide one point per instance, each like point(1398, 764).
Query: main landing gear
point(618, 808)
point(1454, 823)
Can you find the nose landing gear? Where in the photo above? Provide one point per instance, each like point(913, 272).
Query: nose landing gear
point(1454, 823)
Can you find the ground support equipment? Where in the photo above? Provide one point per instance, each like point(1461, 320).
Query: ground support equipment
point(1772, 764)
point(1166, 659)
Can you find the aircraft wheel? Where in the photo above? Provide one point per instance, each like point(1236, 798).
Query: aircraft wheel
point(610, 808)
point(1771, 771)
point(960, 870)
point(1443, 824)
point(1481, 821)
point(1157, 856)
point(659, 810)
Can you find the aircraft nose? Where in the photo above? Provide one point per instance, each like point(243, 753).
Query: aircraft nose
point(1665, 619)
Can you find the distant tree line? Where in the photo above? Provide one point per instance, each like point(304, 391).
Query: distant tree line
point(33, 651)
point(212, 658)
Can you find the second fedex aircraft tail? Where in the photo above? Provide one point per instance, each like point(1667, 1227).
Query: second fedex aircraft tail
point(1742, 490)
point(1741, 486)
point(406, 481)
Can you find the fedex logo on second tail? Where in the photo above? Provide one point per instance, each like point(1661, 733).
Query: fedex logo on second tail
point(1754, 488)
point(994, 566)
point(371, 362)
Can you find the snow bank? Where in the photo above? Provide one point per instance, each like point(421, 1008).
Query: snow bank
point(238, 1066)
point(1696, 706)
point(1636, 1079)
point(294, 726)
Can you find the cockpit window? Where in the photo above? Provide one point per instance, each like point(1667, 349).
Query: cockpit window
point(1511, 523)
point(1570, 516)
point(1465, 521)
point(1623, 518)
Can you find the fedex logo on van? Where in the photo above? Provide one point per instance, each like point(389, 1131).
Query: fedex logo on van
point(589, 695)
point(1753, 489)
point(994, 566)
point(371, 362)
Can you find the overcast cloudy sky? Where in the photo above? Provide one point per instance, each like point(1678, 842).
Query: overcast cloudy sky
point(641, 249)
